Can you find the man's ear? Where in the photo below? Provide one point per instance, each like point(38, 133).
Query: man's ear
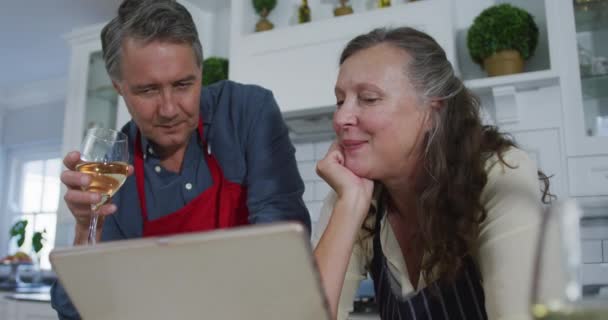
point(116, 86)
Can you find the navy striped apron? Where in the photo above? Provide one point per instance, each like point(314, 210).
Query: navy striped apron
point(461, 299)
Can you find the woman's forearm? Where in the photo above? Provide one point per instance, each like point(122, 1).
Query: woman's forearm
point(335, 247)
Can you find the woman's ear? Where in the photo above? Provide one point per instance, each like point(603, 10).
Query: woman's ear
point(432, 113)
point(436, 104)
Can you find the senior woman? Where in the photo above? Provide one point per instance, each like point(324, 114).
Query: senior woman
point(442, 211)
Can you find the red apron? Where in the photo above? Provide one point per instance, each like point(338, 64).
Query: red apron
point(222, 205)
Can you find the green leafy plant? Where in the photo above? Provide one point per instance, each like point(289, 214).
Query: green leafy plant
point(38, 240)
point(502, 27)
point(18, 230)
point(214, 70)
point(260, 5)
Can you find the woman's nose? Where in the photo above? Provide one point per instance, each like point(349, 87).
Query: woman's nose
point(345, 116)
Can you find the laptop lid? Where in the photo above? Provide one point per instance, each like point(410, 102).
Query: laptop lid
point(260, 272)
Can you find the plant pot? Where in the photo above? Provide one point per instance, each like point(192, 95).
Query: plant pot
point(263, 25)
point(503, 63)
point(343, 10)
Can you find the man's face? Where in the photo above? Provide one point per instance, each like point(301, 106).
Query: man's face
point(161, 85)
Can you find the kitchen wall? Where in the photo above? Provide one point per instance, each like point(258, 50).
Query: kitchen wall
point(35, 124)
point(307, 155)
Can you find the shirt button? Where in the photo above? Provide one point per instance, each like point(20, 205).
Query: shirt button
point(157, 169)
point(188, 186)
point(150, 150)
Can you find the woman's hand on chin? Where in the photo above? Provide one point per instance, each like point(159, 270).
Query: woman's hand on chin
point(345, 183)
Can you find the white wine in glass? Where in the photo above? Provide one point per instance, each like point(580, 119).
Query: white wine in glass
point(105, 156)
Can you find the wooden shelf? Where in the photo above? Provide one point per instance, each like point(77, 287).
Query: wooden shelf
point(521, 81)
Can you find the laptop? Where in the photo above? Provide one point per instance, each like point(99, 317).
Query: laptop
point(255, 272)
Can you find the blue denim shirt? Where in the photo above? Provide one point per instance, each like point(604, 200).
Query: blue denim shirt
point(246, 133)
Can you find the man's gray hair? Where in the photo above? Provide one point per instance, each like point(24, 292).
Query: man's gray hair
point(146, 21)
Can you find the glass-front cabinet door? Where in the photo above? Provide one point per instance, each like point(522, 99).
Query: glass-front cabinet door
point(591, 23)
point(101, 98)
point(583, 66)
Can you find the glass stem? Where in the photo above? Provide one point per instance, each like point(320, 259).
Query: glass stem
point(93, 226)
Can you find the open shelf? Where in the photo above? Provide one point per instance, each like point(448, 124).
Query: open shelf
point(521, 81)
point(537, 67)
point(284, 15)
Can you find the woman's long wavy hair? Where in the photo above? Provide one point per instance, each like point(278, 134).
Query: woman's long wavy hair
point(455, 151)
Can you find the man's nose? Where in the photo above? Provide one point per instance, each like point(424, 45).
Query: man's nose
point(168, 105)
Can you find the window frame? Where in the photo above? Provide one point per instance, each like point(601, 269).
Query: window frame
point(15, 157)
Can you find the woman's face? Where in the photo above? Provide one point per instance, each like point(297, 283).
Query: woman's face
point(379, 121)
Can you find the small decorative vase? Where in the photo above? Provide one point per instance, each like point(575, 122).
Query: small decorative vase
point(504, 62)
point(304, 12)
point(264, 24)
point(343, 9)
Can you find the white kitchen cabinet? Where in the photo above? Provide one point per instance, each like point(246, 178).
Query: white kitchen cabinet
point(583, 50)
point(299, 63)
point(588, 176)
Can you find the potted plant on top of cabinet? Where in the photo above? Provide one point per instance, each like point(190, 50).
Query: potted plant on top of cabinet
point(263, 8)
point(501, 38)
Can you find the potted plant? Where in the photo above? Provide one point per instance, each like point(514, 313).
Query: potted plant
point(214, 70)
point(501, 38)
point(18, 231)
point(13, 281)
point(263, 8)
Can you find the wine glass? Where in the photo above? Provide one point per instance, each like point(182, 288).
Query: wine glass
point(561, 296)
point(104, 156)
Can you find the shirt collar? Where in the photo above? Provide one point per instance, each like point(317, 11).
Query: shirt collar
point(147, 146)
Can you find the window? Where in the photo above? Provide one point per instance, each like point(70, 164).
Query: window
point(34, 196)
